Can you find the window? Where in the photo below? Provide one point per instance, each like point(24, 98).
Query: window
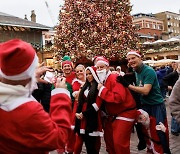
point(154, 26)
point(148, 26)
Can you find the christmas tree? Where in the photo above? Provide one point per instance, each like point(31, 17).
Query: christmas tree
point(95, 27)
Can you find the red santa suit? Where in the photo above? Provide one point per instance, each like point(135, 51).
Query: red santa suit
point(76, 84)
point(149, 130)
point(120, 113)
point(89, 128)
point(26, 127)
point(70, 144)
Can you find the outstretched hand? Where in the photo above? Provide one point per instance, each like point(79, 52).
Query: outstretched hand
point(122, 80)
point(40, 71)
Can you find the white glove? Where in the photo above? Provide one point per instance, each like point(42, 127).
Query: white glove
point(161, 127)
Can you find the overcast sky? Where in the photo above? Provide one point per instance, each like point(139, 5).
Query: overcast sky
point(49, 16)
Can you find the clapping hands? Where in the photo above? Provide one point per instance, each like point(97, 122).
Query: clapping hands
point(79, 116)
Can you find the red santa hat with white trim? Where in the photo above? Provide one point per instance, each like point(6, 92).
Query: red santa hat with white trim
point(102, 60)
point(92, 69)
point(18, 60)
point(133, 52)
point(67, 62)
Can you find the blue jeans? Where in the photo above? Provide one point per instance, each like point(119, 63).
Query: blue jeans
point(175, 127)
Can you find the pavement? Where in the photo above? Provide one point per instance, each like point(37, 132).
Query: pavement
point(174, 141)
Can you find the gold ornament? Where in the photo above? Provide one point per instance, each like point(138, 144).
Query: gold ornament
point(118, 14)
point(83, 31)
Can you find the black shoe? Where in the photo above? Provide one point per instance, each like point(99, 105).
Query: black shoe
point(175, 133)
point(141, 145)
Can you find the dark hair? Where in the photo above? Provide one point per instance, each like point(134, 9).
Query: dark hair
point(91, 98)
point(92, 120)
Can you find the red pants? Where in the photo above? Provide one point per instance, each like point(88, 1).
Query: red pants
point(117, 136)
point(71, 142)
point(78, 145)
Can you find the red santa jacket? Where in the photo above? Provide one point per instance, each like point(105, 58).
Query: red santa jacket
point(27, 128)
point(152, 138)
point(118, 99)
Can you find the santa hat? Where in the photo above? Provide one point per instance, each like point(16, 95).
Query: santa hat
point(92, 69)
point(102, 60)
point(140, 111)
point(18, 60)
point(96, 58)
point(133, 52)
point(67, 62)
point(118, 67)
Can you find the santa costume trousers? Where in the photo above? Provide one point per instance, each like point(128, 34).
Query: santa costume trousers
point(117, 136)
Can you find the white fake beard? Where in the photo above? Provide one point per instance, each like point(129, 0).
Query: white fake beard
point(32, 85)
point(101, 75)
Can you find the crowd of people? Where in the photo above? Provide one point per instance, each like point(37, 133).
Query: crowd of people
point(42, 110)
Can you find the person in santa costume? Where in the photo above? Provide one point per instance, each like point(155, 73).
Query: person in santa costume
point(69, 74)
point(149, 130)
point(88, 123)
point(150, 95)
point(119, 110)
point(25, 126)
point(77, 83)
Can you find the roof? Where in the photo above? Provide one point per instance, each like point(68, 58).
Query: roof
point(10, 20)
point(168, 12)
point(145, 36)
point(143, 15)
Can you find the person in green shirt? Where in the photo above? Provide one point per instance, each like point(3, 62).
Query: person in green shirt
point(150, 95)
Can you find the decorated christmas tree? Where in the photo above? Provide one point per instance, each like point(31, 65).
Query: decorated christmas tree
point(95, 27)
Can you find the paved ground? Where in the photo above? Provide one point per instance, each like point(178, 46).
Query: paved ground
point(174, 142)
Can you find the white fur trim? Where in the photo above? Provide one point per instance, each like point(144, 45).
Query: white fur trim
point(94, 74)
point(100, 90)
point(82, 131)
point(72, 127)
point(60, 90)
point(133, 53)
point(16, 103)
point(74, 80)
point(74, 93)
point(95, 106)
point(142, 111)
point(96, 133)
point(102, 61)
point(24, 75)
point(125, 119)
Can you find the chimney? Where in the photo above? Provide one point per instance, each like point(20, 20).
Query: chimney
point(25, 17)
point(33, 16)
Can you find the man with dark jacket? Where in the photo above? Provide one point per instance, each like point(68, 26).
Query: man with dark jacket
point(170, 81)
point(161, 73)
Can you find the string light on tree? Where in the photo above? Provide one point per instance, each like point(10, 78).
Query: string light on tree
point(89, 28)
